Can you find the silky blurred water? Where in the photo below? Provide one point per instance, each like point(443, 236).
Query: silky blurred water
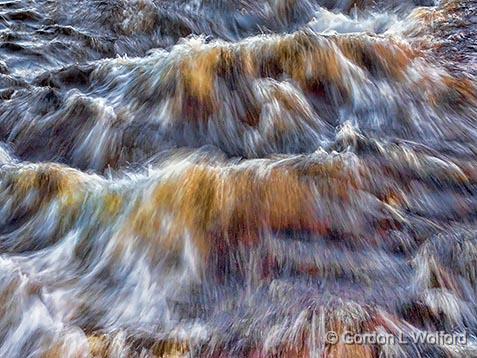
point(211, 178)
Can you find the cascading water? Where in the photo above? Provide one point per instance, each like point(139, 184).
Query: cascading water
point(237, 178)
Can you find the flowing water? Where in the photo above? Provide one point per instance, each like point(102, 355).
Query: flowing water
point(235, 178)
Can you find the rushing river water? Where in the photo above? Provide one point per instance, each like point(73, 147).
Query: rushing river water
point(225, 178)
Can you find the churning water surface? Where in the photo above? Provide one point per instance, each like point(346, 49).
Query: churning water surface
point(234, 178)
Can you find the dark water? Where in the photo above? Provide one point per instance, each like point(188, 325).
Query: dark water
point(236, 178)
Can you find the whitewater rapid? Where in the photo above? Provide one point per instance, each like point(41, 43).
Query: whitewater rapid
point(236, 178)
